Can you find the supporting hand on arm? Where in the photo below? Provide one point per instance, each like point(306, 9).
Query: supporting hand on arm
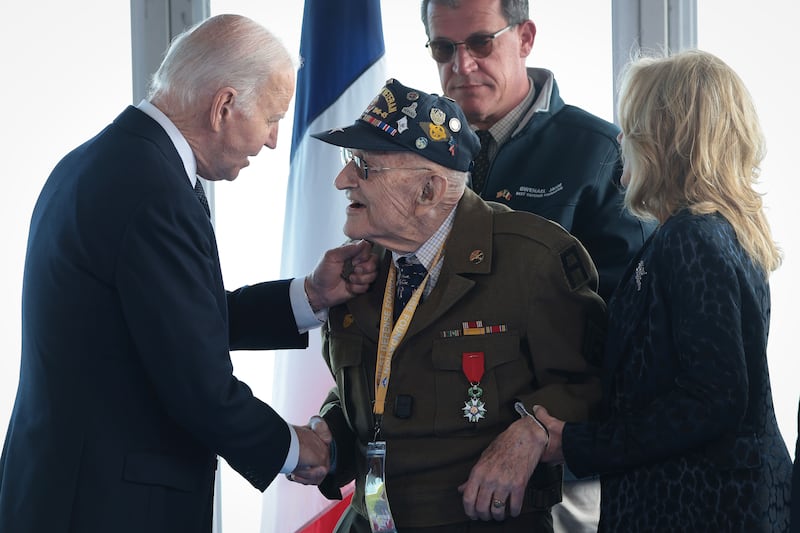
point(553, 453)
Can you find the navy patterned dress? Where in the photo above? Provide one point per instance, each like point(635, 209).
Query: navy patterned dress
point(689, 441)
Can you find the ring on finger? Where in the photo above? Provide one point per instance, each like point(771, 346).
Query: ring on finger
point(497, 504)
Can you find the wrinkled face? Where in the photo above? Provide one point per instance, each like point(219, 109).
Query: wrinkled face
point(486, 88)
point(242, 135)
point(382, 208)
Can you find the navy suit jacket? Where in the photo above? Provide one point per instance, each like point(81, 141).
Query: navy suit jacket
point(126, 391)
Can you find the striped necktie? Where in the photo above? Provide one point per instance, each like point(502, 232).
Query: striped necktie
point(201, 195)
point(480, 169)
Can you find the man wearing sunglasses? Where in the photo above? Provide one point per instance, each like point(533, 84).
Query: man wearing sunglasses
point(538, 154)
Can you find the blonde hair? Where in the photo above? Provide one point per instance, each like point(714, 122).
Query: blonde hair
point(692, 140)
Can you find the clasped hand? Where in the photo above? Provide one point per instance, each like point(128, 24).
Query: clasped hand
point(315, 458)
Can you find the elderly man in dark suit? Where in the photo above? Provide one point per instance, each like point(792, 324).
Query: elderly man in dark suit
point(505, 315)
point(126, 391)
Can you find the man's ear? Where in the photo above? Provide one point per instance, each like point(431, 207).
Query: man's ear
point(222, 107)
point(527, 32)
point(433, 190)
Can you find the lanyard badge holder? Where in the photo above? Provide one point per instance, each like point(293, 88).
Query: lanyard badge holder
point(380, 516)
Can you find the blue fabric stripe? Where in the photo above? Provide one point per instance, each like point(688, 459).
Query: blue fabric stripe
point(330, 63)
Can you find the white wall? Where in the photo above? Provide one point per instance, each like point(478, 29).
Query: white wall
point(65, 76)
point(759, 40)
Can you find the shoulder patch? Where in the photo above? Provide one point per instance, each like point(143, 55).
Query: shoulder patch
point(574, 269)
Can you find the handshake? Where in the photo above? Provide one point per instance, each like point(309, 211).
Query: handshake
point(315, 452)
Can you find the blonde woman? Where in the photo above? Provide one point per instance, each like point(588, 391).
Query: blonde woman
point(688, 440)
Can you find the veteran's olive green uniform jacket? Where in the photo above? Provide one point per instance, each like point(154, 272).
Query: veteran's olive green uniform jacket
point(537, 281)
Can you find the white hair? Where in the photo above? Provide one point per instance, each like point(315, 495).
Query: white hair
point(222, 51)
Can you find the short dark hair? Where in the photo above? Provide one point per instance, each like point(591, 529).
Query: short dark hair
point(515, 11)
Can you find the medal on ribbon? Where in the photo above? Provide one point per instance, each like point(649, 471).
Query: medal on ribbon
point(472, 364)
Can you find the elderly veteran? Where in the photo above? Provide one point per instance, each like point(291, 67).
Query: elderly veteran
point(505, 316)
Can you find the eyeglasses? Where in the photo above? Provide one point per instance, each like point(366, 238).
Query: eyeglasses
point(478, 45)
point(364, 170)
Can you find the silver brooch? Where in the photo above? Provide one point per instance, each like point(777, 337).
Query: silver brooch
point(639, 274)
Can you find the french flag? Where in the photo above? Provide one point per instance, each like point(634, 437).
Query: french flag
point(343, 68)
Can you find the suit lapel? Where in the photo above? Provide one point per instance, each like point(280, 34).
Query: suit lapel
point(448, 291)
point(366, 308)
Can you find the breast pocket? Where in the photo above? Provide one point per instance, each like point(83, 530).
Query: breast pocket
point(501, 354)
point(345, 353)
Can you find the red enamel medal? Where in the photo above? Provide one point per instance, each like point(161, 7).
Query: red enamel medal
point(472, 364)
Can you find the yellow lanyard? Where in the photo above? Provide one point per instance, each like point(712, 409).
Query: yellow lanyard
point(391, 335)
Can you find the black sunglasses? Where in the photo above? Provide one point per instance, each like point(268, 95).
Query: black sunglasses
point(478, 45)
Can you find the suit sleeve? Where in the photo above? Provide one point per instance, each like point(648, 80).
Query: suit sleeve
point(176, 310)
point(261, 318)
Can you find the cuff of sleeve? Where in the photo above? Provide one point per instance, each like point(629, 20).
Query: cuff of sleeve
point(304, 316)
point(293, 456)
point(333, 457)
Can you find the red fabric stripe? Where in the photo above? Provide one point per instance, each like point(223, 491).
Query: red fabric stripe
point(326, 520)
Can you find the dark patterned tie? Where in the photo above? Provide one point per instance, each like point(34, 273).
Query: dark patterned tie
point(409, 277)
point(201, 195)
point(481, 168)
